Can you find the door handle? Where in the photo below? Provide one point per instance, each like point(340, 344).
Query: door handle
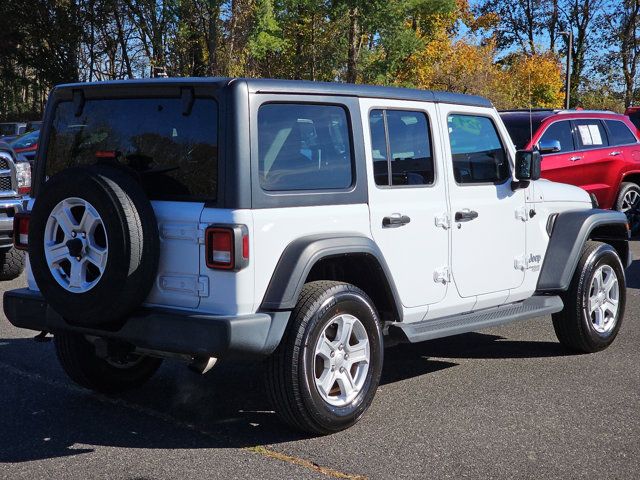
point(575, 158)
point(466, 215)
point(394, 221)
point(615, 153)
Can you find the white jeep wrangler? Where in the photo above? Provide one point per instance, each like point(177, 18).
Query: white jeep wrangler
point(301, 223)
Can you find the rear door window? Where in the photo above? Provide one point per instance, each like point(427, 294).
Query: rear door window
point(559, 132)
point(401, 148)
point(304, 147)
point(619, 133)
point(477, 152)
point(173, 153)
point(591, 134)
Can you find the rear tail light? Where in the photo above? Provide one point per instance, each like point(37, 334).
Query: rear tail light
point(227, 247)
point(21, 231)
point(23, 177)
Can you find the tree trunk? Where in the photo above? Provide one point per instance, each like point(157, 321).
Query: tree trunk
point(123, 43)
point(354, 44)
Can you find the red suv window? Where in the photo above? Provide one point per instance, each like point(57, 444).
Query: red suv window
point(591, 134)
point(619, 133)
point(557, 132)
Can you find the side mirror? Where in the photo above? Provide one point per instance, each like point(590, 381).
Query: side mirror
point(550, 146)
point(527, 165)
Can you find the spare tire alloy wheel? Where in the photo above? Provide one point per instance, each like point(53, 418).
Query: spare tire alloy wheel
point(341, 360)
point(76, 245)
point(93, 245)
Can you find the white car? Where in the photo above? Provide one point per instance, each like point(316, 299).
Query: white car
point(302, 223)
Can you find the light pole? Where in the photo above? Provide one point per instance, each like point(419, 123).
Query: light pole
point(567, 80)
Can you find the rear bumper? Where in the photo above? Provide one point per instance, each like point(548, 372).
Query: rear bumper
point(162, 329)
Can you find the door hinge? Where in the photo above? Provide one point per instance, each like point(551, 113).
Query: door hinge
point(200, 233)
point(521, 214)
point(185, 284)
point(203, 286)
point(442, 275)
point(443, 221)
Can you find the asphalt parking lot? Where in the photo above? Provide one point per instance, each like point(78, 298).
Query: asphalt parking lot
point(504, 403)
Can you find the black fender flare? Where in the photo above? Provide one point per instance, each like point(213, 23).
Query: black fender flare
point(570, 232)
point(299, 257)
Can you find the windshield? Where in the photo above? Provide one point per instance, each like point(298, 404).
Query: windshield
point(173, 152)
point(520, 128)
point(25, 141)
point(7, 128)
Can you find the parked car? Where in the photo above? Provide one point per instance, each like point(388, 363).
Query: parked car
point(298, 222)
point(34, 125)
point(15, 180)
point(26, 145)
point(11, 130)
point(597, 151)
point(634, 115)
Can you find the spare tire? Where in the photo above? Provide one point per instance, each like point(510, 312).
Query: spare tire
point(93, 244)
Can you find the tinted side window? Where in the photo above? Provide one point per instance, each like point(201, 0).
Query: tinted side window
point(303, 147)
point(478, 154)
point(591, 134)
point(619, 133)
point(559, 132)
point(408, 152)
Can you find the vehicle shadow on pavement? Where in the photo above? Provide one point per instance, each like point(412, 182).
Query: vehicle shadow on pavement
point(632, 275)
point(482, 345)
point(43, 415)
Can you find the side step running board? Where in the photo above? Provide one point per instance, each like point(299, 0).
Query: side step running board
point(468, 322)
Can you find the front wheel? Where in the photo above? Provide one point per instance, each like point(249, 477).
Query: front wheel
point(595, 302)
point(324, 375)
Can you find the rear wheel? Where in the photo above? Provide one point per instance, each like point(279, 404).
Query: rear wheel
point(113, 374)
point(324, 375)
point(595, 302)
point(628, 202)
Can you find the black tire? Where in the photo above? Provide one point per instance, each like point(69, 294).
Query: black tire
point(80, 362)
point(573, 325)
point(633, 215)
point(290, 371)
point(132, 232)
point(11, 264)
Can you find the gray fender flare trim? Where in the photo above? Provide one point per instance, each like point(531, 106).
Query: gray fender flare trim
point(570, 232)
point(301, 255)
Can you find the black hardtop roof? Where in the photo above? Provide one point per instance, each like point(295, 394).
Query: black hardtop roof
point(261, 85)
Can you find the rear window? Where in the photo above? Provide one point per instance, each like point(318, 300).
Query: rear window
point(304, 147)
point(174, 153)
point(620, 133)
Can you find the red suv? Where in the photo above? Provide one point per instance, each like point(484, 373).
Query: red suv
point(598, 151)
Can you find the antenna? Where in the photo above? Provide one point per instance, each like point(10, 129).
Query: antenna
point(530, 117)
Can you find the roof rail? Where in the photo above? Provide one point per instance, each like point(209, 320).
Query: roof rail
point(585, 111)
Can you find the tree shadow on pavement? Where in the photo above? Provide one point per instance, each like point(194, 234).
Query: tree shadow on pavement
point(43, 415)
